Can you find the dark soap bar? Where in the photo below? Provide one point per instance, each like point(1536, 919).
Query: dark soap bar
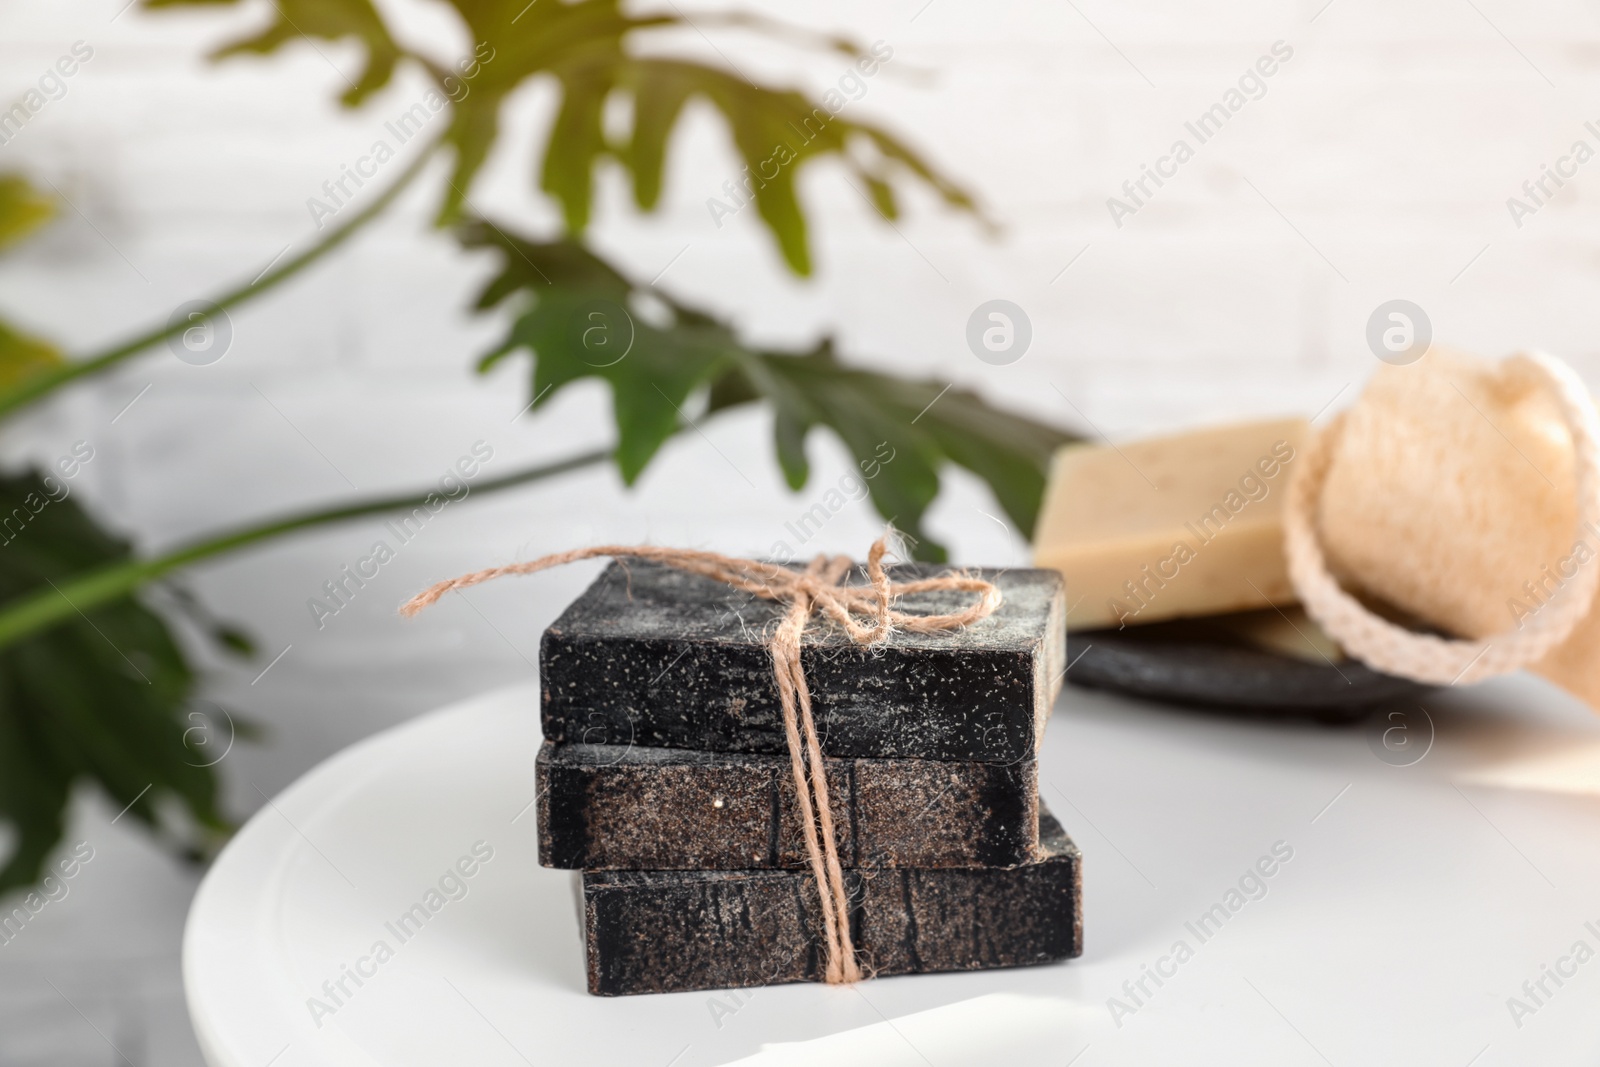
point(612, 807)
point(674, 931)
point(653, 656)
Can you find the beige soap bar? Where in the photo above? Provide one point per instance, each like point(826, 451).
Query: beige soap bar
point(1287, 631)
point(1173, 526)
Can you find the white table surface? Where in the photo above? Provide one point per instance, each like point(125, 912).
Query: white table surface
point(1417, 901)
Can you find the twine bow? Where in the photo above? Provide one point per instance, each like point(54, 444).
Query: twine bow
point(867, 613)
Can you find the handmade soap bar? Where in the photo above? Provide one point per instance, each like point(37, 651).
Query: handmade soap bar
point(634, 808)
point(1171, 527)
point(653, 656)
point(672, 931)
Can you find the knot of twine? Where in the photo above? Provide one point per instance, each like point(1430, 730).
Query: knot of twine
point(867, 613)
point(1423, 657)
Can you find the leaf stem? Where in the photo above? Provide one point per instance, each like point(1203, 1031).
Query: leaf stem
point(50, 605)
point(37, 386)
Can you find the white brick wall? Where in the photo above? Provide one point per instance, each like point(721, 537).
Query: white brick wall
point(1390, 141)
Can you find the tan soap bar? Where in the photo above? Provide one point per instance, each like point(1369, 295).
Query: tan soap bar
point(1287, 631)
point(1450, 495)
point(1171, 527)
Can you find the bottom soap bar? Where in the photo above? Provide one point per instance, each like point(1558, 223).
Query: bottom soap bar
point(674, 931)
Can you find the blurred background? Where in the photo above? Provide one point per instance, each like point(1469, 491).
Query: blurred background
point(1376, 164)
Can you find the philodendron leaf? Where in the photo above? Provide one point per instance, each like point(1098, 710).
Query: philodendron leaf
point(776, 134)
point(900, 432)
point(102, 699)
point(21, 355)
point(577, 316)
point(329, 20)
point(585, 46)
point(22, 210)
point(578, 322)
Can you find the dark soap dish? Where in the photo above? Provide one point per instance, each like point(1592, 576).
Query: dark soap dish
point(1256, 662)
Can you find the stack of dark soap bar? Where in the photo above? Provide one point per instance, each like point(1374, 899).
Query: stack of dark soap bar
point(665, 777)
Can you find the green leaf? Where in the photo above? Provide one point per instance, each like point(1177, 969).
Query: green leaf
point(21, 355)
point(23, 209)
point(234, 640)
point(576, 143)
point(899, 431)
point(661, 93)
point(584, 46)
point(882, 196)
point(471, 133)
point(227, 637)
point(578, 322)
point(574, 318)
point(329, 20)
point(102, 698)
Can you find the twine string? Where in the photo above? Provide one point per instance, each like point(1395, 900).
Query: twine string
point(867, 614)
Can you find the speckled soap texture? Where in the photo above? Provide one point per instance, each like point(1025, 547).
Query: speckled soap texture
point(674, 931)
point(614, 807)
point(653, 656)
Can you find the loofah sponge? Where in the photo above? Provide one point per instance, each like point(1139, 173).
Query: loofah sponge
point(1450, 496)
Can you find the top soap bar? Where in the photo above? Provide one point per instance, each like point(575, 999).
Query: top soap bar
point(649, 655)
